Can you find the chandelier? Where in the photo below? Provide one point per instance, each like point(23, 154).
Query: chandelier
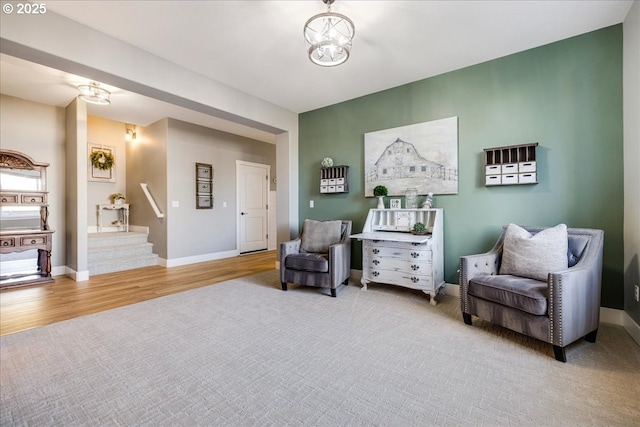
point(94, 94)
point(328, 36)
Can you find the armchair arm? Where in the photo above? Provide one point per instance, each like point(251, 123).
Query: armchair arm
point(472, 266)
point(287, 248)
point(340, 262)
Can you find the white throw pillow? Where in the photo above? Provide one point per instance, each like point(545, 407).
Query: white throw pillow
point(534, 256)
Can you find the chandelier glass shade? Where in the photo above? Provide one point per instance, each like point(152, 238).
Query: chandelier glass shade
point(94, 94)
point(329, 37)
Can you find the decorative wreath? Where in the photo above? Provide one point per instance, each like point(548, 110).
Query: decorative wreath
point(102, 160)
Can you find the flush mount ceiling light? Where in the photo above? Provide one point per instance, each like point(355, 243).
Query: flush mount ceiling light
point(94, 94)
point(329, 36)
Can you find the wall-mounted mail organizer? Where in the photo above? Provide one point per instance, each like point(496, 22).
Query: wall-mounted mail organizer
point(511, 165)
point(334, 179)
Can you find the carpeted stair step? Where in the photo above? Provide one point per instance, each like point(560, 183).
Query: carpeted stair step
point(119, 251)
point(122, 264)
point(97, 240)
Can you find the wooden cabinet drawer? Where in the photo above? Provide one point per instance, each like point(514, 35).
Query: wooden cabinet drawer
point(402, 278)
point(35, 199)
point(9, 198)
point(401, 253)
point(422, 267)
point(33, 240)
point(7, 242)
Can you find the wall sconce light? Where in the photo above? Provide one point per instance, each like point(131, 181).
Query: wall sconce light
point(130, 135)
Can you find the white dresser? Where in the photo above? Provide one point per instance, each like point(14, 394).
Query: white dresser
point(392, 255)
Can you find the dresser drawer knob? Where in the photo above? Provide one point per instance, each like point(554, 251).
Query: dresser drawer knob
point(415, 267)
point(376, 251)
point(375, 273)
point(415, 254)
point(5, 243)
point(4, 199)
point(33, 199)
point(376, 262)
point(415, 279)
point(33, 241)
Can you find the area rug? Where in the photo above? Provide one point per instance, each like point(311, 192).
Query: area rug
point(244, 352)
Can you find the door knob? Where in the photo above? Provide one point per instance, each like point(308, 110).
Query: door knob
point(244, 213)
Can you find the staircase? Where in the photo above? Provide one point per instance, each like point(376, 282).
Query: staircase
point(119, 251)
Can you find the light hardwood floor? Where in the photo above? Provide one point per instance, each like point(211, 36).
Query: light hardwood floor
point(33, 306)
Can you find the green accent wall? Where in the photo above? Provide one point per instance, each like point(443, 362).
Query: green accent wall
point(567, 96)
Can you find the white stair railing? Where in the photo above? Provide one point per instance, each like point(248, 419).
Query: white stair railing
point(152, 202)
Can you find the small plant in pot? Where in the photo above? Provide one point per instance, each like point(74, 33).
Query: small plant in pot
point(117, 198)
point(419, 229)
point(380, 191)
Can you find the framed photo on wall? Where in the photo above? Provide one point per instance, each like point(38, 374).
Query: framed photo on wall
point(102, 163)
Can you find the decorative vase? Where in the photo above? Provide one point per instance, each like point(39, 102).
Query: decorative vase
point(380, 202)
point(118, 201)
point(411, 195)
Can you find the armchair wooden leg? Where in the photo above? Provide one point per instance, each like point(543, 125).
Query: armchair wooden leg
point(591, 336)
point(333, 292)
point(467, 318)
point(284, 286)
point(559, 353)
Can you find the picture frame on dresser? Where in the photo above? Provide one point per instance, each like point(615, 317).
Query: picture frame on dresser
point(395, 203)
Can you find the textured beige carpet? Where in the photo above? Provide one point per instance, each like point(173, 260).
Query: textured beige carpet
point(245, 353)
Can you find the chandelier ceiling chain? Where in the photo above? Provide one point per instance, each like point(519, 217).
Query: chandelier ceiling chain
point(329, 37)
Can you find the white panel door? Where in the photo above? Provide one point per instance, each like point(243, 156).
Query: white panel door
point(253, 190)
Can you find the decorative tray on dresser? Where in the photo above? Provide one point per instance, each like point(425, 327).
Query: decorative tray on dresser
point(392, 255)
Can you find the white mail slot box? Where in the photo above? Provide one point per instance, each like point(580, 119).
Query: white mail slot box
point(510, 168)
point(527, 167)
point(324, 182)
point(493, 180)
point(509, 179)
point(339, 188)
point(527, 178)
point(324, 189)
point(332, 181)
point(332, 189)
point(493, 170)
point(340, 181)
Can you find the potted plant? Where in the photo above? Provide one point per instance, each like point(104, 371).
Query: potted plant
point(419, 229)
point(380, 191)
point(117, 198)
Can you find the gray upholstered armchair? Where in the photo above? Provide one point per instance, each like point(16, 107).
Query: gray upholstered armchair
point(320, 257)
point(559, 308)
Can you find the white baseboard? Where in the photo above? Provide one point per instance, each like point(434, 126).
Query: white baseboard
point(132, 228)
point(78, 276)
point(175, 262)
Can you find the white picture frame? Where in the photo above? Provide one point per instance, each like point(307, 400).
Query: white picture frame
point(99, 175)
point(395, 203)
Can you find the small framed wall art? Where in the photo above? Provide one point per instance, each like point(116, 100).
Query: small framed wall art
point(395, 203)
point(204, 186)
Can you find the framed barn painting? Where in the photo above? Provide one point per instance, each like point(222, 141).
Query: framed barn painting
point(422, 156)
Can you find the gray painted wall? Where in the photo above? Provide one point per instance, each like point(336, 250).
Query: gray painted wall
point(194, 232)
point(147, 163)
point(38, 131)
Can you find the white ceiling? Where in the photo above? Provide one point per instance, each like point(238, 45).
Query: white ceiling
point(257, 46)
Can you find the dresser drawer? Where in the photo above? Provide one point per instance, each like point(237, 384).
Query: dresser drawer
point(7, 242)
point(423, 267)
point(406, 279)
point(401, 253)
point(36, 199)
point(33, 240)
